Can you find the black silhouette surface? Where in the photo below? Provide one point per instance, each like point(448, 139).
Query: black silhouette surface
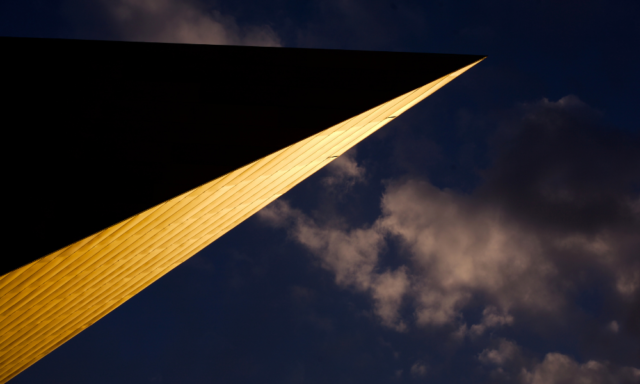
point(98, 131)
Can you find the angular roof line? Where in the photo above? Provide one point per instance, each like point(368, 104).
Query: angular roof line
point(52, 298)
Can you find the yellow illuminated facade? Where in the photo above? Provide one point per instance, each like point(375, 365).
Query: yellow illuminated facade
point(47, 302)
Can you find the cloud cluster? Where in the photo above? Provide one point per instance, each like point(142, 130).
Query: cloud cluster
point(555, 368)
point(574, 182)
point(559, 198)
point(460, 249)
point(173, 21)
point(457, 250)
point(352, 255)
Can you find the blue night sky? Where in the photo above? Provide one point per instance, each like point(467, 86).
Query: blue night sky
point(491, 234)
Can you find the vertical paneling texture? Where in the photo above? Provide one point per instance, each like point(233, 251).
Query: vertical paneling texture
point(47, 302)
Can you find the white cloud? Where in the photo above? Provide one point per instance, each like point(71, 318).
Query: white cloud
point(628, 282)
point(507, 350)
point(459, 249)
point(388, 292)
point(418, 369)
point(460, 333)
point(175, 21)
point(344, 172)
point(557, 368)
point(491, 317)
point(352, 256)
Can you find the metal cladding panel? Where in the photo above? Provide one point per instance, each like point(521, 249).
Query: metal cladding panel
point(115, 128)
point(48, 301)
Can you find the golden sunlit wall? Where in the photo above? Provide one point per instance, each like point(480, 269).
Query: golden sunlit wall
point(47, 302)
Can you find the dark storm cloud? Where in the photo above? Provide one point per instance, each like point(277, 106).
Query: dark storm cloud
point(557, 213)
point(564, 175)
point(558, 167)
